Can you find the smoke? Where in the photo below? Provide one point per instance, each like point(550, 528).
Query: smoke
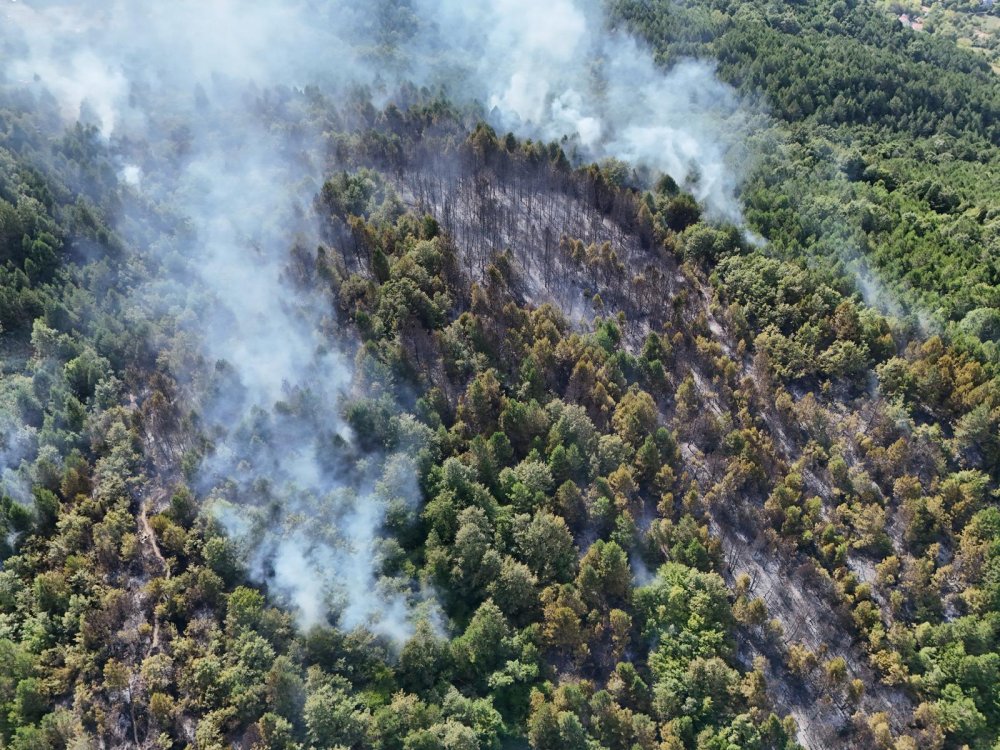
point(554, 70)
point(18, 445)
point(178, 91)
point(274, 409)
point(543, 70)
point(190, 96)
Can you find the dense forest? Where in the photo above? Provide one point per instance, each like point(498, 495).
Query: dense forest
point(885, 164)
point(540, 453)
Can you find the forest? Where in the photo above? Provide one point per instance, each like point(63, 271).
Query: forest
point(350, 418)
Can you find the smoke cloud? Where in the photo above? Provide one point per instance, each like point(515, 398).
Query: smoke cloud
point(180, 91)
point(554, 70)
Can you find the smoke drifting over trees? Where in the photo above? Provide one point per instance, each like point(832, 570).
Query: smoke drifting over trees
point(175, 88)
point(364, 384)
point(549, 71)
point(552, 70)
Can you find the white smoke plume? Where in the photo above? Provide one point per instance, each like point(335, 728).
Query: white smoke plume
point(174, 87)
point(553, 70)
point(545, 70)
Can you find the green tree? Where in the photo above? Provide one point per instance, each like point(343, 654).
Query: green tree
point(635, 416)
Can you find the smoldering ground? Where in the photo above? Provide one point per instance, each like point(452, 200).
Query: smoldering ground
point(184, 93)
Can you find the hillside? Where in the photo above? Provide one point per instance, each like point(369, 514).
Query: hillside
point(971, 25)
point(336, 416)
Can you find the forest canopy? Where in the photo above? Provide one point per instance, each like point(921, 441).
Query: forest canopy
point(345, 418)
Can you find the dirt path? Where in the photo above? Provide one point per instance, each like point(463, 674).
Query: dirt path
point(149, 545)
